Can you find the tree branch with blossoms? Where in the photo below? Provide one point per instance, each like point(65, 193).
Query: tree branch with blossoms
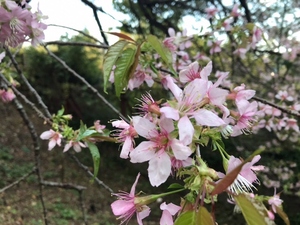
point(170, 133)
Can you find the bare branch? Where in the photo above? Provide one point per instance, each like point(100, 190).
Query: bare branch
point(19, 180)
point(95, 9)
point(38, 97)
point(79, 31)
point(69, 43)
point(63, 185)
point(94, 90)
point(26, 100)
point(85, 168)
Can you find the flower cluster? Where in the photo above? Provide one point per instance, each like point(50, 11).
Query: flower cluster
point(18, 24)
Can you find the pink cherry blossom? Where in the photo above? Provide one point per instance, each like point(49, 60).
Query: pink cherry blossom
point(158, 149)
point(211, 12)
point(227, 24)
point(256, 36)
point(53, 137)
point(7, 95)
point(215, 46)
point(235, 11)
point(98, 127)
point(241, 93)
point(125, 134)
point(246, 177)
point(246, 114)
point(128, 204)
point(140, 76)
point(77, 145)
point(283, 95)
point(241, 52)
point(169, 210)
point(275, 201)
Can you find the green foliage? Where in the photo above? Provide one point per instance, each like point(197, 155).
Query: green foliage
point(96, 156)
point(164, 52)
point(199, 217)
point(254, 212)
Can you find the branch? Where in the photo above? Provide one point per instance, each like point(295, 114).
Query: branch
point(95, 9)
point(34, 137)
point(63, 185)
point(75, 44)
point(247, 11)
point(79, 31)
point(82, 207)
point(94, 90)
point(19, 180)
point(38, 97)
point(26, 100)
point(86, 169)
point(290, 112)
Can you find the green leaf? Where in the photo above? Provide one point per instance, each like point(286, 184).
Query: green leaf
point(110, 59)
point(283, 216)
point(61, 112)
point(85, 134)
point(204, 217)
point(96, 157)
point(254, 212)
point(175, 186)
point(164, 52)
point(200, 217)
point(186, 218)
point(123, 69)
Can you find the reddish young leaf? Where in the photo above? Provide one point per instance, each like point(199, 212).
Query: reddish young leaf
point(120, 35)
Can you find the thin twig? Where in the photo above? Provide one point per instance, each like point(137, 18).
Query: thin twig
point(85, 168)
point(69, 43)
point(25, 99)
point(36, 145)
point(38, 97)
point(63, 185)
point(79, 31)
point(95, 10)
point(83, 80)
point(82, 207)
point(19, 180)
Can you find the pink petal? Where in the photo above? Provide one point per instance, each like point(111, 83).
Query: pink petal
point(186, 130)
point(166, 125)
point(126, 148)
point(205, 72)
point(120, 207)
point(144, 127)
point(143, 152)
point(171, 208)
point(170, 112)
point(51, 144)
point(159, 169)
point(132, 190)
point(208, 118)
point(181, 152)
point(47, 134)
point(143, 214)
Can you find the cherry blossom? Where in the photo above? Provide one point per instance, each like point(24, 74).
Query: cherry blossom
point(53, 137)
point(158, 149)
point(128, 204)
point(275, 201)
point(125, 134)
point(169, 210)
point(246, 177)
point(77, 145)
